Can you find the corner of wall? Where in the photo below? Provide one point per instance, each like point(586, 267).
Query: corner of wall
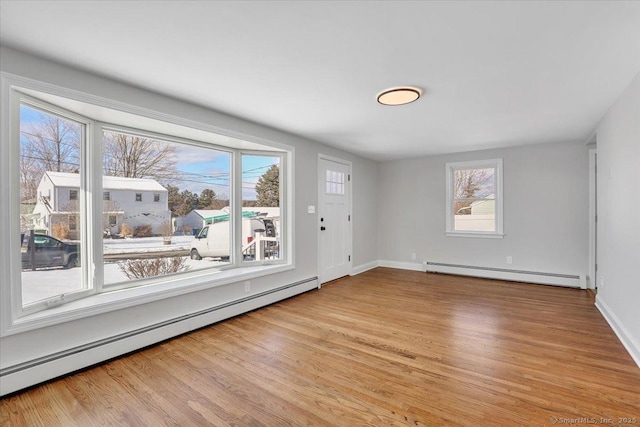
point(623, 334)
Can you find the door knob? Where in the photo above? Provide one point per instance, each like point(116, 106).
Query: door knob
point(323, 228)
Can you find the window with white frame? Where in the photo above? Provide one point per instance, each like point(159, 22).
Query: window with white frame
point(195, 184)
point(261, 201)
point(334, 182)
point(474, 198)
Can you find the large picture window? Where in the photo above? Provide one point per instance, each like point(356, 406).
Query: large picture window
point(474, 198)
point(171, 205)
point(152, 238)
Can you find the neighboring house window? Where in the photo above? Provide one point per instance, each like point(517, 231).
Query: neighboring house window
point(250, 189)
point(474, 198)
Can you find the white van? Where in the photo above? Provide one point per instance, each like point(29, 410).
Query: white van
point(259, 232)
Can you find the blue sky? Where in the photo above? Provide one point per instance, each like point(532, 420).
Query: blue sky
point(198, 167)
point(210, 169)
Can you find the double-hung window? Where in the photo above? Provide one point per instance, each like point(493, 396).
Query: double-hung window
point(474, 199)
point(213, 204)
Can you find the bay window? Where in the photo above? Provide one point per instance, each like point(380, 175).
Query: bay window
point(176, 205)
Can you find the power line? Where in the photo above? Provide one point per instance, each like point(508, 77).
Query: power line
point(55, 141)
point(222, 181)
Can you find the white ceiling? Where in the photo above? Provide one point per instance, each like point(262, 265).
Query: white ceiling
point(494, 74)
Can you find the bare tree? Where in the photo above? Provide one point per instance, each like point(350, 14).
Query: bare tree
point(30, 174)
point(471, 184)
point(110, 210)
point(54, 143)
point(48, 143)
point(137, 157)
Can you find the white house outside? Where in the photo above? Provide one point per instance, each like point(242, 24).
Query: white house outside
point(136, 202)
point(482, 216)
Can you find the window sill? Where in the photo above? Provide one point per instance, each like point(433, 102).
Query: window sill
point(125, 298)
point(476, 235)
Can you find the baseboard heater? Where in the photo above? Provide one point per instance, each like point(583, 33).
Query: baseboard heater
point(570, 280)
point(16, 377)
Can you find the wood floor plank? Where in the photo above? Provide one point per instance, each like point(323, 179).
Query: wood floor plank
point(384, 348)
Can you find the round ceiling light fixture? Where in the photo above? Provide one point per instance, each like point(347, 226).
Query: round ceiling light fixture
point(399, 95)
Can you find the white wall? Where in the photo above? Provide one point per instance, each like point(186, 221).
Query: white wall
point(125, 200)
point(27, 346)
point(618, 135)
point(545, 211)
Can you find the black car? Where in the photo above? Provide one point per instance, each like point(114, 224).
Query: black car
point(49, 252)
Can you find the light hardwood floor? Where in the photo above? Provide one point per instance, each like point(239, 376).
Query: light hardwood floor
point(387, 347)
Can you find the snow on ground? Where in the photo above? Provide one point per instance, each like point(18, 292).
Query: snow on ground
point(146, 244)
point(49, 282)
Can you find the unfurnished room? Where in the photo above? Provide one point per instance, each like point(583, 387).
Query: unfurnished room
point(320, 213)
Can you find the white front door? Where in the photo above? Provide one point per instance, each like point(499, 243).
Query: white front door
point(334, 219)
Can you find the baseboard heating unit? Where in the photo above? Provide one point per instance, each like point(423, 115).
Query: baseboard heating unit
point(22, 375)
point(569, 280)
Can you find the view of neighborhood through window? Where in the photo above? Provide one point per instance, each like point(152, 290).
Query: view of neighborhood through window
point(178, 189)
point(49, 205)
point(474, 202)
point(261, 229)
point(166, 207)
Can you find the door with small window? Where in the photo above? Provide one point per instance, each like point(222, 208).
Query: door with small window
point(334, 217)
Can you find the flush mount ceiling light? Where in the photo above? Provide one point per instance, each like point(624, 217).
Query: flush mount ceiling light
point(399, 95)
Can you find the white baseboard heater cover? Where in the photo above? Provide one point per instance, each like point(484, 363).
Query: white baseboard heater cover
point(569, 280)
point(32, 372)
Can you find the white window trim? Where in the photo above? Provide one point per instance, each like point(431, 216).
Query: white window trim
point(131, 297)
point(476, 164)
point(84, 198)
point(13, 319)
point(283, 168)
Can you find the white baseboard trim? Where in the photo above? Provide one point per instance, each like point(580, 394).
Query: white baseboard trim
point(414, 266)
point(627, 340)
point(363, 267)
point(38, 371)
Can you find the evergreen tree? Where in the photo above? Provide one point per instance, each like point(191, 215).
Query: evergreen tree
point(207, 196)
point(268, 188)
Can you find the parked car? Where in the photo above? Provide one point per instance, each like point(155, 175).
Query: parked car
point(49, 252)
